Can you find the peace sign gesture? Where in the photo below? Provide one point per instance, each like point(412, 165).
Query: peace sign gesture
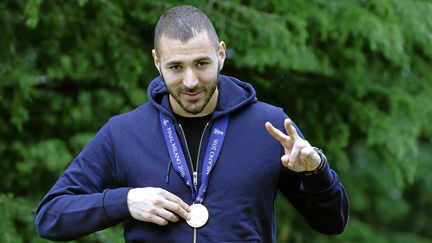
point(299, 154)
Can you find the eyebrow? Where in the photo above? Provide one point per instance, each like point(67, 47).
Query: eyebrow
point(172, 63)
point(199, 59)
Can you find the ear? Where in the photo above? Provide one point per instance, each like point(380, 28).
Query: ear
point(221, 54)
point(156, 60)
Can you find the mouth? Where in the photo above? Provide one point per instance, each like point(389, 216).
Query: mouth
point(192, 96)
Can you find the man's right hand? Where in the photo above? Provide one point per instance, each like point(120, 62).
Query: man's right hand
point(156, 205)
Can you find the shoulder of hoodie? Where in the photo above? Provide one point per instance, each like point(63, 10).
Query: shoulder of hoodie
point(134, 117)
point(253, 102)
point(266, 110)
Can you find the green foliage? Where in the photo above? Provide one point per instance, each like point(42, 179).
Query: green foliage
point(354, 75)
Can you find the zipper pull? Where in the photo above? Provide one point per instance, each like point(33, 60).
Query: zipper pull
point(195, 178)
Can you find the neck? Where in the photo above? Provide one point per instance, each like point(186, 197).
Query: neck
point(208, 109)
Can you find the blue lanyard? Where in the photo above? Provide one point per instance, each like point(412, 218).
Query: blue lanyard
point(178, 159)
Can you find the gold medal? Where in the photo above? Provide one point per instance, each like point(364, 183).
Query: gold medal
point(199, 215)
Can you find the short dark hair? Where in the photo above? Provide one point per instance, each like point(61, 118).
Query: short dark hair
point(183, 23)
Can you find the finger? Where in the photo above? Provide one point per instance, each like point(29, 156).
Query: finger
point(153, 218)
point(167, 215)
point(304, 153)
point(292, 132)
point(173, 198)
point(294, 156)
point(177, 209)
point(285, 160)
point(276, 133)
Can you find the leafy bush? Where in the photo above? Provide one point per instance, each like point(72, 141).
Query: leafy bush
point(354, 75)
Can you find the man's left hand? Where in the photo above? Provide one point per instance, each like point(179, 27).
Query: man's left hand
point(299, 154)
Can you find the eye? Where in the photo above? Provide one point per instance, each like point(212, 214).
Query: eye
point(175, 67)
point(202, 64)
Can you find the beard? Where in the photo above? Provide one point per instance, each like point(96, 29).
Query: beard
point(194, 107)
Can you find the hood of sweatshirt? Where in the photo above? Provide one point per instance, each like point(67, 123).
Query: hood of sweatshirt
point(233, 95)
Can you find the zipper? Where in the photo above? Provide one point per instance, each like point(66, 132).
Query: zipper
point(194, 175)
point(199, 150)
point(194, 172)
point(168, 172)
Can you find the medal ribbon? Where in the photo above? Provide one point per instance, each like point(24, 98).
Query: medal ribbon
point(178, 159)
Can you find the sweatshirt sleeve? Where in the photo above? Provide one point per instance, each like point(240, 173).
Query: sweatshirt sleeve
point(86, 198)
point(320, 198)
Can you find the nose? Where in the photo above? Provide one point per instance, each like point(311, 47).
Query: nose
point(190, 79)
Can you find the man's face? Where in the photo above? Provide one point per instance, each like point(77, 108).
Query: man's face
point(190, 70)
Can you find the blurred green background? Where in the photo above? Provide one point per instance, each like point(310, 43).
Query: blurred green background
point(356, 76)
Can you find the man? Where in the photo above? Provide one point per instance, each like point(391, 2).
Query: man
point(200, 162)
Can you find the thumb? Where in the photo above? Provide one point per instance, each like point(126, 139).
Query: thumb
point(285, 160)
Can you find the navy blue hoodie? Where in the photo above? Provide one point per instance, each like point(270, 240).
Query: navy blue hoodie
point(129, 151)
